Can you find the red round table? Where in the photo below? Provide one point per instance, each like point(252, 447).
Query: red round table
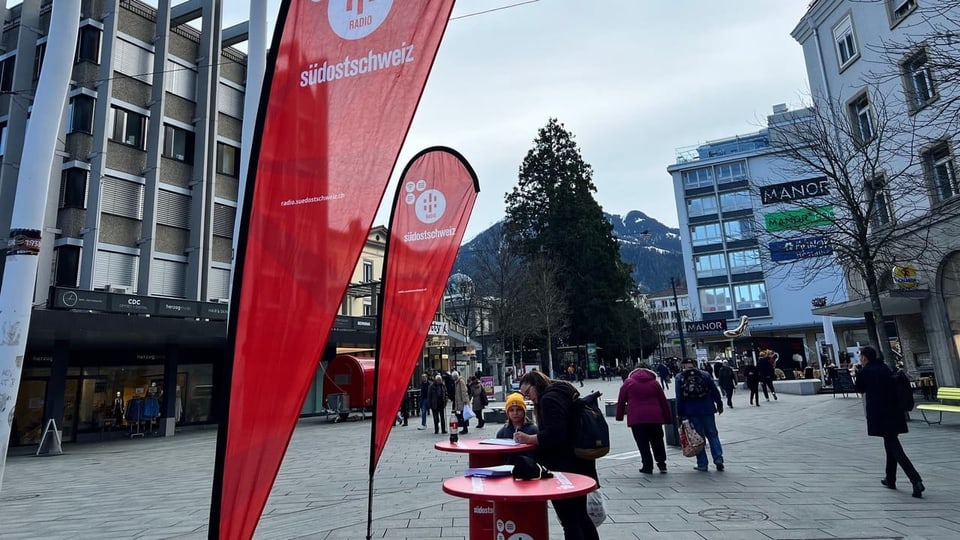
point(520, 506)
point(482, 455)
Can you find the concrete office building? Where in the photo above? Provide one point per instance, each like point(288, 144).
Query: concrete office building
point(727, 262)
point(849, 65)
point(133, 281)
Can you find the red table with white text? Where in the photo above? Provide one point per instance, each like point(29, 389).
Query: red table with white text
point(520, 506)
point(482, 455)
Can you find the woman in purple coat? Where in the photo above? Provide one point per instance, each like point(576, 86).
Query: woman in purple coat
point(642, 398)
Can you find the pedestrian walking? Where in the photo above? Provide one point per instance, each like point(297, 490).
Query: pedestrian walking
point(478, 399)
point(554, 408)
point(767, 368)
point(580, 375)
point(698, 398)
point(727, 381)
point(752, 376)
point(664, 373)
point(642, 399)
point(885, 419)
point(424, 399)
point(461, 397)
point(438, 404)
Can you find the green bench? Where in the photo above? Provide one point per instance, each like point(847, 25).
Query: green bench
point(949, 402)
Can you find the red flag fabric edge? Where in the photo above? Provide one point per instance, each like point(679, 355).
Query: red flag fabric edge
point(432, 205)
point(300, 264)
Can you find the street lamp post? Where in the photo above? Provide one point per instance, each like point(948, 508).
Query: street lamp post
point(676, 305)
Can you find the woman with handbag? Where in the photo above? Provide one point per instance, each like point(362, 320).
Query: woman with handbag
point(477, 397)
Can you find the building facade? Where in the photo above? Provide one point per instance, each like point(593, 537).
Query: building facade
point(733, 266)
point(133, 286)
point(660, 310)
point(892, 63)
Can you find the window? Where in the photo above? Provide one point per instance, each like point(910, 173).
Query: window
point(88, 44)
point(73, 188)
point(228, 160)
point(177, 144)
point(218, 284)
point(115, 269)
point(941, 172)
point(898, 10)
point(121, 198)
point(710, 265)
point(80, 114)
point(698, 178)
point(128, 127)
point(168, 278)
point(702, 206)
point(67, 266)
point(846, 42)
point(731, 172)
point(741, 229)
point(38, 57)
point(224, 218)
point(918, 81)
point(861, 118)
point(881, 212)
point(6, 73)
point(744, 261)
point(715, 299)
point(367, 308)
point(367, 271)
point(173, 209)
point(750, 295)
point(703, 235)
point(735, 200)
point(3, 138)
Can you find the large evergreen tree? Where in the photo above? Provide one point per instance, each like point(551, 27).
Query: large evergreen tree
point(552, 213)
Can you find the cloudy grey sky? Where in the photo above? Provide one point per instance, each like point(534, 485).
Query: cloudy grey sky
point(633, 80)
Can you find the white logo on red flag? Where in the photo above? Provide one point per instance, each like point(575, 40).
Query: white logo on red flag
point(356, 19)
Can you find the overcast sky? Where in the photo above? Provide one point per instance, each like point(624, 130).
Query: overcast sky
point(634, 80)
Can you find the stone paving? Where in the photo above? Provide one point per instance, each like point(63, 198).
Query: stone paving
point(801, 467)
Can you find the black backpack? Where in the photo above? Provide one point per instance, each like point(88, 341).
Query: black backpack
point(692, 385)
point(904, 392)
point(592, 438)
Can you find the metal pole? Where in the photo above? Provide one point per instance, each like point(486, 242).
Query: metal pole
point(676, 305)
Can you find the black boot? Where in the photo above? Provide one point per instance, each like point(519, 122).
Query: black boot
point(918, 489)
point(890, 484)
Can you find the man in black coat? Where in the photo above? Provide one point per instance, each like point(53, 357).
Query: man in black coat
point(884, 417)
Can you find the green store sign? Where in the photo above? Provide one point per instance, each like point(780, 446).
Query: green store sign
point(798, 220)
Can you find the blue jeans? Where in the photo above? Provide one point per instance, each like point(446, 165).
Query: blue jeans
point(707, 426)
point(423, 412)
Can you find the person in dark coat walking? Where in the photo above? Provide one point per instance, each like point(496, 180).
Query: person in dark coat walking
point(647, 410)
point(727, 380)
point(438, 402)
point(553, 408)
point(884, 417)
point(768, 372)
point(752, 376)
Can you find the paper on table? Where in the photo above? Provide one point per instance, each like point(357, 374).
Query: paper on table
point(501, 442)
point(497, 470)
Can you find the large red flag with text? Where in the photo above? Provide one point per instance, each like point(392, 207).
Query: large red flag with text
point(430, 212)
point(344, 80)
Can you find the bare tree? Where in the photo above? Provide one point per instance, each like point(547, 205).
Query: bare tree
point(864, 206)
point(545, 303)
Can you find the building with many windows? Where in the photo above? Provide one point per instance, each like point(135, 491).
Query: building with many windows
point(894, 63)
point(727, 254)
point(134, 271)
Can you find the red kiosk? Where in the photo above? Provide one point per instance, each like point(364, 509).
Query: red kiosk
point(348, 384)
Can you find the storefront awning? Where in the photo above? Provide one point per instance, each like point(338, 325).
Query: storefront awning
point(894, 303)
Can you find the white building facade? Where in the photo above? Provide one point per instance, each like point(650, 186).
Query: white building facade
point(853, 68)
point(733, 268)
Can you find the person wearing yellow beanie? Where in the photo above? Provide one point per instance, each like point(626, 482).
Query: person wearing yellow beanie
point(517, 420)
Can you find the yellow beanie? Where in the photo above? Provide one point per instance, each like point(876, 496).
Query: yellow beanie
point(515, 398)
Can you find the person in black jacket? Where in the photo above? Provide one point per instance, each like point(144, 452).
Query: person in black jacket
point(767, 368)
point(752, 375)
point(438, 402)
point(553, 409)
point(727, 380)
point(884, 417)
